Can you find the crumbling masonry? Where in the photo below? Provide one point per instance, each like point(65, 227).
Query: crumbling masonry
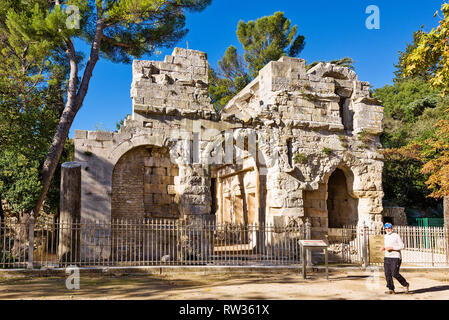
point(293, 144)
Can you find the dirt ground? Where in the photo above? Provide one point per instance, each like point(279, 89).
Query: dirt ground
point(344, 285)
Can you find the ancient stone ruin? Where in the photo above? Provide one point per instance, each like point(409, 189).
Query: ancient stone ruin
point(293, 144)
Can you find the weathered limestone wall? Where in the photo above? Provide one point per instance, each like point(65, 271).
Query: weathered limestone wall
point(322, 119)
point(267, 158)
point(397, 214)
point(176, 86)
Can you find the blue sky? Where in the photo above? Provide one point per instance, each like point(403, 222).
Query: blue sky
point(333, 29)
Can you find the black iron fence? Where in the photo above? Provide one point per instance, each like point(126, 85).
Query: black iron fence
point(145, 242)
point(161, 242)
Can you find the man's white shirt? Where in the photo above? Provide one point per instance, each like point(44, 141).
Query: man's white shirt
point(393, 240)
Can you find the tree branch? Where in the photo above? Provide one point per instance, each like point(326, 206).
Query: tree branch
point(118, 43)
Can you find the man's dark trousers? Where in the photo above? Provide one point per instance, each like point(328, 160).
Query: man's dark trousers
point(391, 268)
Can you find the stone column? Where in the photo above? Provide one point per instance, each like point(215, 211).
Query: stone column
point(70, 215)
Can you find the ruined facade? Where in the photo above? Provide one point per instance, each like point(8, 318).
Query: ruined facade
point(293, 144)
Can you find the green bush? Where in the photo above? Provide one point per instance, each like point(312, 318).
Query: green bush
point(327, 151)
point(300, 158)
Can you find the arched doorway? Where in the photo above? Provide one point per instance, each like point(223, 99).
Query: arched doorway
point(143, 187)
point(341, 207)
point(143, 184)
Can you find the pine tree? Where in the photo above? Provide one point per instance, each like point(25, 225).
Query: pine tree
point(116, 30)
point(264, 40)
point(267, 39)
point(229, 80)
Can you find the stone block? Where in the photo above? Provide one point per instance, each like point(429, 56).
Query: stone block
point(171, 189)
point(103, 135)
point(160, 171)
point(80, 134)
point(179, 52)
point(169, 59)
point(199, 71)
point(153, 179)
point(174, 172)
point(91, 135)
point(164, 180)
point(151, 188)
point(148, 198)
point(184, 61)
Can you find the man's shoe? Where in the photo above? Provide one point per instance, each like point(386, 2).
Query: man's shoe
point(390, 292)
point(406, 287)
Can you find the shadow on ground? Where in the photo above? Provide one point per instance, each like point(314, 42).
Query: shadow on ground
point(431, 289)
point(342, 286)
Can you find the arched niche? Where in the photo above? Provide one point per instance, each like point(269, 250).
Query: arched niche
point(341, 206)
point(143, 184)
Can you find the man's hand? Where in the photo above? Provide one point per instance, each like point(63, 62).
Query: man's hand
point(386, 248)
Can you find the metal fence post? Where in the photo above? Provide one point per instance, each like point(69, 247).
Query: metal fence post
point(30, 241)
point(446, 237)
point(365, 248)
point(308, 237)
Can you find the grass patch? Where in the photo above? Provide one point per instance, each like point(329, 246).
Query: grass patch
point(364, 146)
point(364, 136)
point(327, 151)
point(300, 158)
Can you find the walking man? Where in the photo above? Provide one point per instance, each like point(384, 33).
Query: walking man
point(392, 260)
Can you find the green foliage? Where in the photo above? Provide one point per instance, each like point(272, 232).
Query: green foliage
point(406, 100)
point(267, 39)
point(400, 73)
point(7, 257)
point(300, 158)
point(364, 146)
point(32, 84)
point(231, 78)
point(264, 40)
point(120, 123)
point(403, 182)
point(343, 141)
point(327, 151)
point(19, 180)
point(411, 108)
point(37, 54)
point(428, 54)
point(364, 136)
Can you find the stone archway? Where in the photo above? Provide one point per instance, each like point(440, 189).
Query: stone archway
point(143, 184)
point(341, 206)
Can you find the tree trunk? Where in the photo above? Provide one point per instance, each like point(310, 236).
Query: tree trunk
point(74, 102)
point(20, 247)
